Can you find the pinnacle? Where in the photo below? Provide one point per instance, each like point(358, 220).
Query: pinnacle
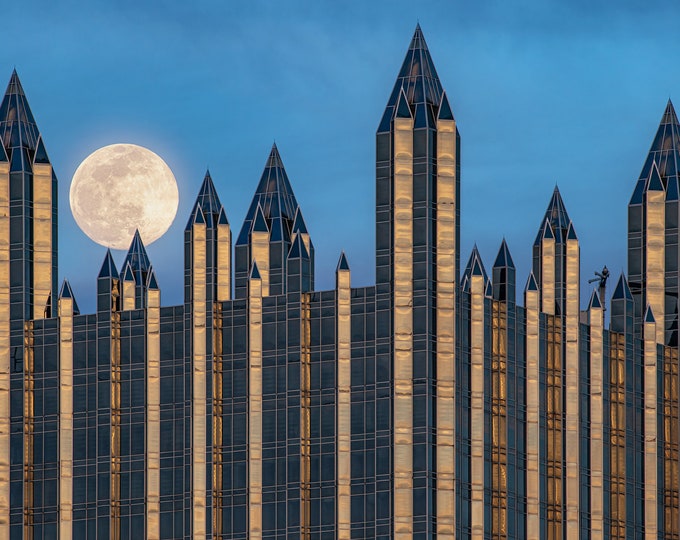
point(128, 274)
point(547, 231)
point(299, 225)
point(556, 217)
point(654, 181)
point(445, 112)
point(274, 195)
point(403, 109)
point(571, 232)
point(208, 201)
point(298, 249)
point(260, 223)
point(14, 86)
point(622, 291)
point(197, 215)
point(254, 272)
point(342, 263)
point(419, 80)
point(504, 259)
point(475, 266)
point(67, 292)
point(17, 125)
point(649, 315)
point(531, 283)
point(108, 269)
point(207, 195)
point(594, 301)
point(665, 153)
point(136, 256)
point(274, 159)
point(222, 217)
point(151, 282)
point(669, 116)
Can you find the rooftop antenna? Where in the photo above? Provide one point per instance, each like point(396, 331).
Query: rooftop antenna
point(602, 278)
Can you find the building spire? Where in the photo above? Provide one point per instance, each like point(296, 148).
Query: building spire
point(67, 292)
point(137, 258)
point(274, 194)
point(556, 217)
point(208, 200)
point(268, 231)
point(18, 129)
point(665, 152)
point(622, 291)
point(420, 83)
point(342, 263)
point(475, 266)
point(503, 272)
point(108, 269)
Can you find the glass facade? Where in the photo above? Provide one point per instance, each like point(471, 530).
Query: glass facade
point(423, 406)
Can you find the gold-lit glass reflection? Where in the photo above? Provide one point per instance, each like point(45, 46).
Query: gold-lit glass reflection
point(223, 262)
point(533, 438)
point(305, 416)
point(596, 423)
point(115, 425)
point(42, 237)
point(65, 417)
point(403, 328)
point(655, 262)
point(671, 502)
point(4, 351)
point(153, 414)
point(446, 301)
point(29, 426)
point(617, 435)
point(572, 384)
point(554, 413)
point(218, 443)
point(548, 275)
point(259, 243)
point(650, 423)
point(255, 408)
point(499, 443)
point(199, 405)
point(343, 411)
point(128, 292)
point(477, 424)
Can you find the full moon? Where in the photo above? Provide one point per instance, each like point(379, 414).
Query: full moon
point(120, 188)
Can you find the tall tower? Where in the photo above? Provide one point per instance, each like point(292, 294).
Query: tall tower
point(556, 267)
point(653, 214)
point(28, 277)
point(207, 283)
point(417, 260)
point(269, 229)
point(554, 228)
point(217, 256)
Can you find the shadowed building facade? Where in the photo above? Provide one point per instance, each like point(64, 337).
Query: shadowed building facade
point(431, 404)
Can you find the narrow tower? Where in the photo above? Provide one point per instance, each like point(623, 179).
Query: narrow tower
point(269, 229)
point(552, 235)
point(217, 244)
point(139, 265)
point(28, 277)
point(417, 260)
point(556, 266)
point(653, 213)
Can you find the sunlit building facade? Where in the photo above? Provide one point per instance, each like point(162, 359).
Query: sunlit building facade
point(440, 402)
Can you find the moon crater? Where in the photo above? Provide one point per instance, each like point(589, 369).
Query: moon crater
point(120, 188)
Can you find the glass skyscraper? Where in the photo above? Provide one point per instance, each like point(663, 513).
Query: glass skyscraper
point(431, 404)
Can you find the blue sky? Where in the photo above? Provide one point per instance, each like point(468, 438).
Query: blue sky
point(544, 93)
